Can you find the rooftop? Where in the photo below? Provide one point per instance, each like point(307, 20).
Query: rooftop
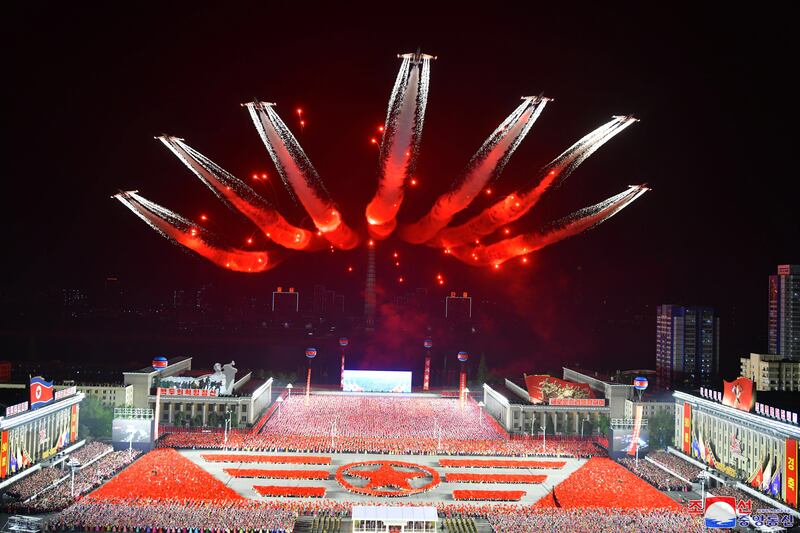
point(509, 394)
point(12, 394)
point(600, 376)
point(170, 361)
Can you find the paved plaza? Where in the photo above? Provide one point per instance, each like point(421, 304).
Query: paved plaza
point(440, 493)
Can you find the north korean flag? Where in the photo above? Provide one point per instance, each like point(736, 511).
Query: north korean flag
point(41, 392)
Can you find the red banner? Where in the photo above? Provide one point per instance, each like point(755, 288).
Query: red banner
point(341, 376)
point(4, 455)
point(426, 379)
point(577, 402)
point(739, 394)
point(188, 392)
point(637, 427)
point(462, 385)
point(73, 424)
point(687, 429)
point(791, 472)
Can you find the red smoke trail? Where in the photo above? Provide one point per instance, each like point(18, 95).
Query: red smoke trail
point(300, 176)
point(237, 195)
point(484, 166)
point(181, 231)
point(401, 138)
point(516, 204)
point(578, 222)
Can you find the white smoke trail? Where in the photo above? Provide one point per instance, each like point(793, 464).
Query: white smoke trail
point(517, 204)
point(239, 196)
point(405, 118)
point(485, 165)
point(181, 231)
point(578, 222)
point(300, 176)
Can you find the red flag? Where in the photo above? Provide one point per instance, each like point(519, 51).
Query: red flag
point(739, 394)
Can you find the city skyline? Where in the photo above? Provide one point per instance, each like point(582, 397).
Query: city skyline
point(678, 244)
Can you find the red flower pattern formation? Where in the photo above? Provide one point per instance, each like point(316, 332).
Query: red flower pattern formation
point(277, 459)
point(602, 483)
point(499, 463)
point(165, 475)
point(276, 474)
point(390, 478)
point(494, 478)
point(297, 492)
point(489, 495)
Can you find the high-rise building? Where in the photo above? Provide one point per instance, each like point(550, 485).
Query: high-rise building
point(687, 346)
point(784, 312)
point(771, 372)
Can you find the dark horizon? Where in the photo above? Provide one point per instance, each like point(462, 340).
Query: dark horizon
point(88, 90)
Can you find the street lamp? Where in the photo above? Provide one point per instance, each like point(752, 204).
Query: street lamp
point(703, 480)
point(480, 411)
point(227, 427)
point(289, 388)
point(280, 402)
point(544, 438)
point(73, 464)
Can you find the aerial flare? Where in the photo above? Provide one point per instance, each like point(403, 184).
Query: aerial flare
point(398, 150)
point(485, 166)
point(300, 176)
point(400, 144)
point(239, 196)
point(518, 203)
point(182, 231)
point(578, 222)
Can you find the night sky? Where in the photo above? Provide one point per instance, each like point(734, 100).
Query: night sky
point(86, 89)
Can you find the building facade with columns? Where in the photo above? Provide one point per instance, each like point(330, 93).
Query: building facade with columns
point(756, 450)
point(31, 435)
point(520, 412)
point(198, 397)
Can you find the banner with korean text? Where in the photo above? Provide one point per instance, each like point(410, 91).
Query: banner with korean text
point(687, 429)
point(4, 455)
point(73, 424)
point(791, 472)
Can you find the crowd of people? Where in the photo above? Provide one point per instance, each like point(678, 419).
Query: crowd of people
point(380, 424)
point(678, 465)
point(86, 479)
point(90, 451)
point(34, 483)
point(399, 445)
point(656, 476)
point(164, 491)
point(594, 520)
point(604, 483)
point(379, 416)
point(44, 478)
point(165, 475)
point(399, 426)
point(740, 495)
point(151, 516)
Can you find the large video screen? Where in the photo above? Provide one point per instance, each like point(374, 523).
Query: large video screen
point(621, 440)
point(377, 381)
point(135, 432)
